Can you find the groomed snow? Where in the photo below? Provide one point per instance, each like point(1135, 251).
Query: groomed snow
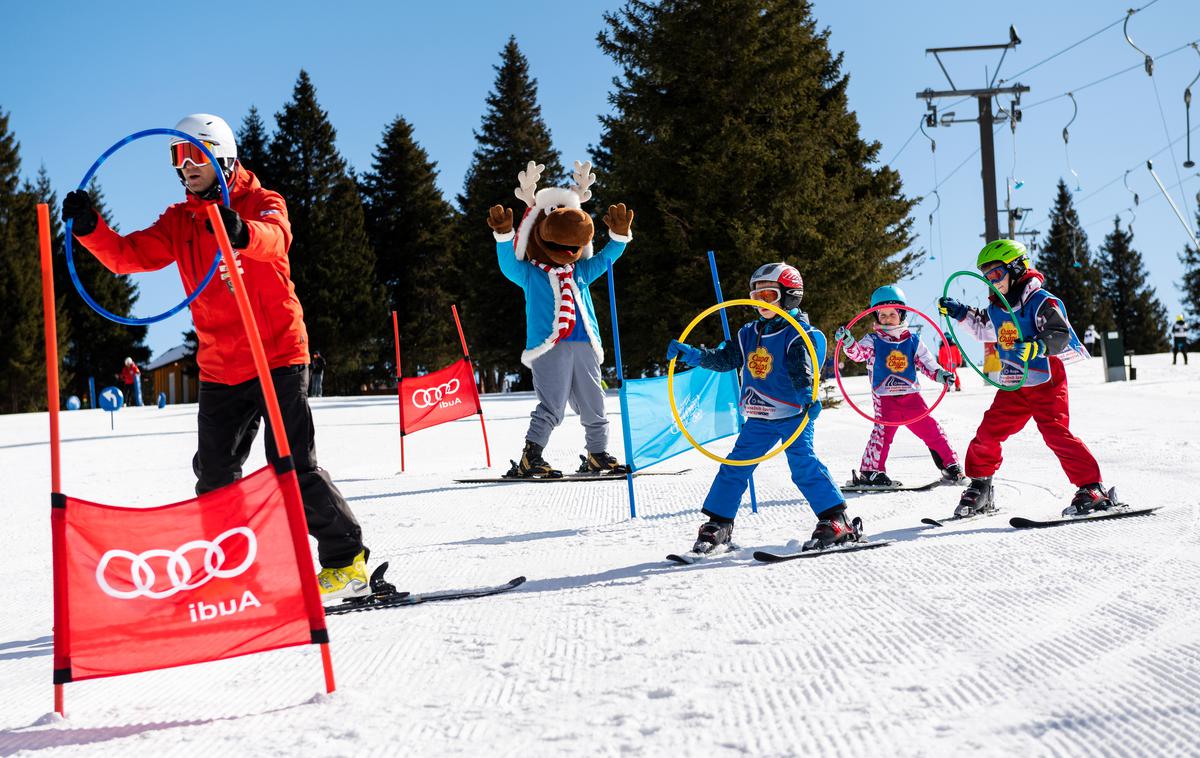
point(974, 639)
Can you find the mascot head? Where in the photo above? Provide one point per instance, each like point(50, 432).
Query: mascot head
point(554, 230)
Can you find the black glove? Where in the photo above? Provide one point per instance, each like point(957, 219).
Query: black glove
point(239, 233)
point(77, 207)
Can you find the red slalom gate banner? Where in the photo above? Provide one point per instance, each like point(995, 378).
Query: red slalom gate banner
point(202, 580)
point(447, 394)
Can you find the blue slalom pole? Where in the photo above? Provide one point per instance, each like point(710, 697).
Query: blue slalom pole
point(92, 391)
point(612, 307)
point(712, 266)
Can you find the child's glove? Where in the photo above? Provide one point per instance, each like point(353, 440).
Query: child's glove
point(685, 352)
point(814, 410)
point(1028, 349)
point(946, 378)
point(842, 334)
point(948, 306)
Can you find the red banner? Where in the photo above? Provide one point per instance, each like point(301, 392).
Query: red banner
point(205, 579)
point(444, 395)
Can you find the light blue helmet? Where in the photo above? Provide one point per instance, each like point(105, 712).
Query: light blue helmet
point(889, 295)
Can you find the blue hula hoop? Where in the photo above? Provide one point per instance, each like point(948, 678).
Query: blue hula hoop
point(87, 178)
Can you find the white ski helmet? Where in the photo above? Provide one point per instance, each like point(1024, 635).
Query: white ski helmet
point(786, 278)
point(215, 133)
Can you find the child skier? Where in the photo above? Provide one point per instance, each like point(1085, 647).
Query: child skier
point(777, 377)
point(1047, 341)
point(893, 356)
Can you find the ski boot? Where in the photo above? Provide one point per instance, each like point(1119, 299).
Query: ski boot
point(833, 529)
point(976, 499)
point(715, 537)
point(873, 479)
point(601, 463)
point(532, 465)
point(1090, 498)
point(345, 582)
point(953, 474)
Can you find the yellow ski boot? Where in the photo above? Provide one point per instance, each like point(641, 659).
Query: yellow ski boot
point(346, 582)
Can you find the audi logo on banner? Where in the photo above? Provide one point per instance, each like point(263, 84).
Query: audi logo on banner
point(431, 396)
point(177, 570)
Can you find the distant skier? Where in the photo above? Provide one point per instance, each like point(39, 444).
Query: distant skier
point(131, 376)
point(950, 358)
point(1179, 340)
point(1047, 341)
point(317, 368)
point(893, 355)
point(1090, 338)
point(777, 377)
point(231, 400)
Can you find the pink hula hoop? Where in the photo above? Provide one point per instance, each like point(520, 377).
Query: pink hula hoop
point(838, 374)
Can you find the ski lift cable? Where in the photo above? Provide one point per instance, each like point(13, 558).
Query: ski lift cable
point(1103, 79)
point(1167, 195)
point(1066, 136)
point(1074, 45)
point(1156, 194)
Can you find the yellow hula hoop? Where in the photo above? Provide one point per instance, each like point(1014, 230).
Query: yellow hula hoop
point(812, 351)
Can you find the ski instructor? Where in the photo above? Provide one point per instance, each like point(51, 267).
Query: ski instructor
point(231, 400)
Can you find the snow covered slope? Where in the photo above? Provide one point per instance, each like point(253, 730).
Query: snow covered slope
point(1083, 640)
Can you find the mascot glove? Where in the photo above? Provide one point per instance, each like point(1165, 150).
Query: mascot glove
point(500, 219)
point(1030, 348)
point(948, 306)
point(685, 352)
point(619, 221)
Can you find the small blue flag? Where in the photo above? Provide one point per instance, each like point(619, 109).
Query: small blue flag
point(707, 403)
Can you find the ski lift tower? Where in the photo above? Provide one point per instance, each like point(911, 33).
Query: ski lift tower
point(986, 118)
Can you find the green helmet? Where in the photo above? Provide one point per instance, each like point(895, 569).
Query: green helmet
point(1011, 253)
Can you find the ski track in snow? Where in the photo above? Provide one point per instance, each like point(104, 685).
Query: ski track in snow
point(970, 639)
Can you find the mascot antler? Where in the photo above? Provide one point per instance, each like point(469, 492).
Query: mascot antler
point(528, 180)
point(583, 178)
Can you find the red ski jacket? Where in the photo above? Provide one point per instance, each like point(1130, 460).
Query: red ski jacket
point(949, 356)
point(129, 374)
point(179, 237)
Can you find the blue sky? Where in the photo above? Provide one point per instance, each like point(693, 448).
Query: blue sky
point(77, 78)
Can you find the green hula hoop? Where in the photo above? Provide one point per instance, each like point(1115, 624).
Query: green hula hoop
point(953, 336)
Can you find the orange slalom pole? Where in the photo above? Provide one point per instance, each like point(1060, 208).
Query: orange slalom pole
point(487, 452)
point(399, 388)
point(295, 509)
point(61, 653)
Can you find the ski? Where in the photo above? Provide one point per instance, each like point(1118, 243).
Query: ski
point(385, 595)
point(767, 557)
point(955, 519)
point(567, 477)
point(692, 557)
point(1024, 523)
point(864, 488)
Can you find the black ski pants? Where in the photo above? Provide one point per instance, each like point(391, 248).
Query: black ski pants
point(229, 418)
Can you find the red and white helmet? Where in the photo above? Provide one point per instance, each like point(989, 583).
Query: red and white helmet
point(783, 276)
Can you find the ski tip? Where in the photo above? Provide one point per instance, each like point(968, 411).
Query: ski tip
point(516, 581)
point(932, 522)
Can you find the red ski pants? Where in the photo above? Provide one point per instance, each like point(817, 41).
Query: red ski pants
point(1049, 406)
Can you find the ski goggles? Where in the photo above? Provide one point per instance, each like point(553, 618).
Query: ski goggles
point(767, 295)
point(996, 274)
point(182, 152)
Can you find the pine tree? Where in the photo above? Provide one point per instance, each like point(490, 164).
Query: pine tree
point(252, 147)
point(96, 346)
point(511, 135)
point(732, 132)
point(22, 387)
point(1190, 283)
point(333, 265)
point(1070, 272)
point(412, 229)
point(1137, 313)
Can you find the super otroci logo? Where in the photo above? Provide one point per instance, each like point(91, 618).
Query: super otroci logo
point(157, 574)
point(759, 363)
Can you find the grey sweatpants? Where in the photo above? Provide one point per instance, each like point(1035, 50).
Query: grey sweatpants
point(569, 373)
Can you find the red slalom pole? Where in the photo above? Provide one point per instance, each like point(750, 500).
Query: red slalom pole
point(291, 493)
point(487, 452)
point(399, 390)
point(62, 655)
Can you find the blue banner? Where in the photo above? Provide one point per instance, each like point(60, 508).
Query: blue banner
point(707, 403)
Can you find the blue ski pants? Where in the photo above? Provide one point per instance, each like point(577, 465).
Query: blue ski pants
point(756, 438)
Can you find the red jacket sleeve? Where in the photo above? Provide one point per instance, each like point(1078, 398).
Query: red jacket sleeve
point(270, 230)
point(147, 250)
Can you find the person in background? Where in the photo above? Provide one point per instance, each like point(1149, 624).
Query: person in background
point(131, 375)
point(1179, 339)
point(1090, 338)
point(950, 358)
point(317, 370)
